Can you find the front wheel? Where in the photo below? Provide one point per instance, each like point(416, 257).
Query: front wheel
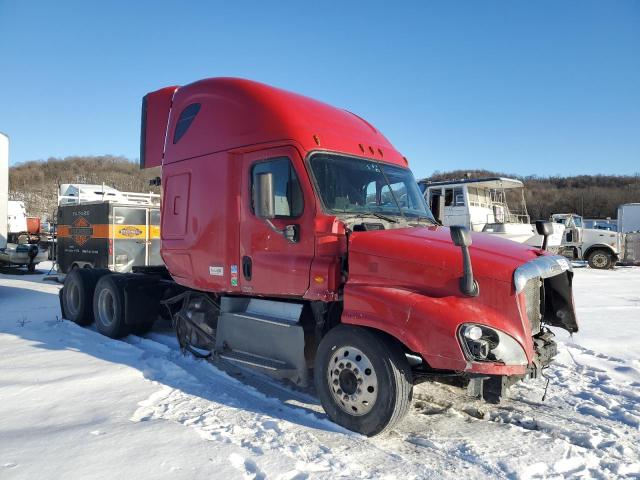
point(600, 259)
point(363, 380)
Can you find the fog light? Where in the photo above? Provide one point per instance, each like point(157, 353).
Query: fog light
point(473, 332)
point(481, 343)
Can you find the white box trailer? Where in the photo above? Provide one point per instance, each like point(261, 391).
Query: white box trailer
point(629, 218)
point(4, 188)
point(13, 254)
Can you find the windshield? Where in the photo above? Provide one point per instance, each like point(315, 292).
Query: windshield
point(352, 185)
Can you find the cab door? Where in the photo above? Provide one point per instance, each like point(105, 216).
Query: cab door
point(436, 204)
point(269, 263)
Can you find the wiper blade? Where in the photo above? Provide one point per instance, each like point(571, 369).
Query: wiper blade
point(428, 219)
point(374, 214)
point(383, 217)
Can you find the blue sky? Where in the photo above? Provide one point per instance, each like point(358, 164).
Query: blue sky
point(544, 87)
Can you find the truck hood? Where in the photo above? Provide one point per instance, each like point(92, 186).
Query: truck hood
point(431, 247)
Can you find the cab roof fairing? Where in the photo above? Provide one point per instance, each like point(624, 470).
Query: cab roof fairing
point(237, 113)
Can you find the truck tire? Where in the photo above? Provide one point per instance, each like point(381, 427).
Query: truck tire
point(600, 259)
point(108, 307)
point(77, 296)
point(363, 380)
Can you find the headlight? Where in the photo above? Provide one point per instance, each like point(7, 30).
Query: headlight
point(484, 344)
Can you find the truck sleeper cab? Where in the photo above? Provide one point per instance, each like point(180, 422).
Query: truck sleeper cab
point(297, 242)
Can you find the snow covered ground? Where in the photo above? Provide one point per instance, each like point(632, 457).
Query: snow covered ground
point(77, 405)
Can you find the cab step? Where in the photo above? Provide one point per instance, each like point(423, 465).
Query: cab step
point(263, 334)
point(267, 365)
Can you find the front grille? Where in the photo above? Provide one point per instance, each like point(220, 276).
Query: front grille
point(532, 299)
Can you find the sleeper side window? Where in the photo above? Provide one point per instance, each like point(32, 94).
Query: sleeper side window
point(286, 186)
point(187, 117)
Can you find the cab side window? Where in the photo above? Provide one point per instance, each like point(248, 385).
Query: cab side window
point(448, 197)
point(286, 187)
point(453, 197)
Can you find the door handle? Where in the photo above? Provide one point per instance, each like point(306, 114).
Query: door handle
point(246, 267)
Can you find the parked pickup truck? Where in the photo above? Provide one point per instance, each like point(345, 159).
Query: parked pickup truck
point(297, 242)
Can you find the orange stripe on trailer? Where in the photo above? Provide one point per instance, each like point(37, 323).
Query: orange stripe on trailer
point(91, 231)
point(120, 232)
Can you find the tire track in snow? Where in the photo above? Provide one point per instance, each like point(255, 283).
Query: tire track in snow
point(444, 436)
point(216, 405)
point(587, 415)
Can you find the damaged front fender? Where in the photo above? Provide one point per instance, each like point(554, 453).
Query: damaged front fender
point(555, 275)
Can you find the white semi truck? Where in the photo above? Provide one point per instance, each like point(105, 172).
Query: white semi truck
point(4, 189)
point(601, 248)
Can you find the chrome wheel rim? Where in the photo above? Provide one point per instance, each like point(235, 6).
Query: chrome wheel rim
point(106, 307)
point(73, 299)
point(352, 381)
point(600, 260)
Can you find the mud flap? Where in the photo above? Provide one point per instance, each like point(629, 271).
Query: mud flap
point(141, 295)
point(141, 299)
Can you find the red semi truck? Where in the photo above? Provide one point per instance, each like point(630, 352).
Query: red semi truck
point(297, 242)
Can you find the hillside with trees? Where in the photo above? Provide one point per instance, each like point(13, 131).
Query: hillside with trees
point(36, 183)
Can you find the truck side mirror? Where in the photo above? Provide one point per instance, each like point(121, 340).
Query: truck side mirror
point(263, 197)
point(545, 229)
point(462, 238)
